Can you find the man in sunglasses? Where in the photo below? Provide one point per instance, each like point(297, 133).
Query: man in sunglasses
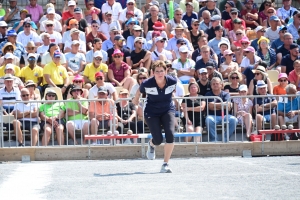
point(109, 43)
point(73, 23)
point(26, 118)
point(215, 21)
point(55, 37)
point(3, 31)
point(108, 23)
point(137, 32)
point(51, 16)
point(140, 57)
point(75, 60)
point(28, 35)
point(160, 53)
point(119, 42)
point(229, 23)
point(17, 82)
point(31, 49)
point(260, 31)
point(91, 69)
point(286, 11)
point(130, 6)
point(295, 25)
point(279, 41)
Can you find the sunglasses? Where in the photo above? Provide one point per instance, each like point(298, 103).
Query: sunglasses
point(130, 4)
point(28, 86)
point(234, 13)
point(263, 31)
point(283, 80)
point(4, 27)
point(246, 51)
point(99, 59)
point(96, 26)
point(74, 24)
point(77, 81)
point(51, 95)
point(283, 31)
point(238, 34)
point(116, 33)
point(235, 77)
point(142, 78)
point(25, 95)
point(267, 5)
point(140, 42)
point(99, 78)
point(169, 66)
point(244, 43)
point(31, 59)
point(256, 74)
point(161, 41)
point(182, 43)
point(90, 4)
point(49, 25)
point(30, 48)
point(117, 56)
point(27, 26)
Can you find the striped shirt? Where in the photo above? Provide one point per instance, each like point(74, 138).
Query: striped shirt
point(9, 97)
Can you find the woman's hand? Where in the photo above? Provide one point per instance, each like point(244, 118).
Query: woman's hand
point(189, 122)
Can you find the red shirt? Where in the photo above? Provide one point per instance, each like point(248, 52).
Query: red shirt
point(66, 15)
point(90, 38)
point(229, 24)
point(119, 73)
point(253, 11)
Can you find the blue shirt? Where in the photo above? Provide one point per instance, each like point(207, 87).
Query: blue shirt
point(20, 50)
point(33, 25)
point(172, 44)
point(289, 106)
point(254, 44)
point(264, 100)
point(200, 64)
point(188, 19)
point(276, 44)
point(159, 101)
point(293, 30)
point(223, 95)
point(107, 44)
point(214, 44)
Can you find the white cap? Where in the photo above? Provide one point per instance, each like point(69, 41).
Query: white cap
point(261, 84)
point(71, 3)
point(113, 28)
point(98, 54)
point(183, 49)
point(138, 39)
point(137, 28)
point(243, 88)
point(9, 55)
point(75, 42)
point(160, 38)
point(3, 23)
point(31, 55)
point(130, 1)
point(50, 10)
point(10, 66)
point(202, 70)
point(258, 28)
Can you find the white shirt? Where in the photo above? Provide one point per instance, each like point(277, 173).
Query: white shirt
point(173, 24)
point(42, 49)
point(283, 14)
point(134, 90)
point(138, 14)
point(55, 38)
point(90, 56)
point(12, 96)
point(67, 36)
point(164, 52)
point(22, 107)
point(56, 16)
point(115, 9)
point(246, 62)
point(24, 39)
point(162, 34)
point(272, 35)
point(46, 58)
point(82, 45)
point(130, 43)
point(57, 26)
point(189, 64)
point(104, 27)
point(93, 92)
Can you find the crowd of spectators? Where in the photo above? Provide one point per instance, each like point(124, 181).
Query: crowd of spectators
point(106, 49)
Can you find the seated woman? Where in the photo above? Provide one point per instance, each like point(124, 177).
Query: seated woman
point(119, 72)
point(240, 34)
point(236, 32)
point(280, 88)
point(233, 88)
point(52, 116)
point(294, 75)
point(266, 53)
point(78, 81)
point(228, 65)
point(140, 78)
point(243, 108)
point(193, 109)
point(30, 85)
point(260, 74)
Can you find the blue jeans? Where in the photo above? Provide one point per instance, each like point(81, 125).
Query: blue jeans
point(211, 122)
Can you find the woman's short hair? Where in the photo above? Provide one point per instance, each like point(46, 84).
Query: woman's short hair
point(237, 73)
point(139, 74)
point(193, 83)
point(158, 63)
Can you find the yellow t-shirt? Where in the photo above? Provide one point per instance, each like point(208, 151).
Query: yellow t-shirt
point(2, 71)
point(90, 70)
point(28, 74)
point(57, 73)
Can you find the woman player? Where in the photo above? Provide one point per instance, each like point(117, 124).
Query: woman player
point(159, 111)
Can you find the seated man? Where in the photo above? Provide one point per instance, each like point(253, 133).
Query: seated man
point(9, 94)
point(139, 56)
point(215, 111)
point(212, 72)
point(264, 106)
point(9, 69)
point(100, 112)
point(26, 115)
point(75, 60)
point(203, 81)
point(205, 54)
point(8, 59)
point(99, 78)
point(76, 112)
point(97, 46)
point(52, 116)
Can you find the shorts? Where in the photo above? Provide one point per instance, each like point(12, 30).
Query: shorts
point(267, 118)
point(60, 121)
point(104, 124)
point(78, 123)
point(29, 125)
point(291, 120)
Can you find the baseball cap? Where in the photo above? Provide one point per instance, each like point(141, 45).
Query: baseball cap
point(180, 41)
point(77, 10)
point(57, 54)
point(72, 21)
point(237, 20)
point(98, 54)
point(3, 23)
point(282, 28)
point(160, 38)
point(49, 22)
point(130, 1)
point(194, 20)
point(243, 88)
point(108, 13)
point(227, 52)
point(138, 39)
point(76, 88)
point(102, 89)
point(158, 26)
point(250, 48)
point(30, 82)
point(154, 3)
point(11, 32)
point(119, 37)
point(274, 18)
point(258, 28)
point(234, 10)
point(9, 56)
point(231, 3)
point(130, 12)
point(50, 10)
point(202, 70)
point(75, 42)
point(31, 55)
point(137, 28)
point(10, 66)
point(215, 17)
point(71, 3)
point(183, 49)
point(98, 74)
point(24, 10)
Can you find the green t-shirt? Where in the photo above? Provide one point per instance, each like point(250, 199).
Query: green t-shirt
point(51, 110)
point(74, 106)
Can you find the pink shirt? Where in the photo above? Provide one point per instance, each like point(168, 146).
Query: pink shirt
point(293, 78)
point(119, 73)
point(35, 12)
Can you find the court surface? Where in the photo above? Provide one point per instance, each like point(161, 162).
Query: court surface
point(194, 178)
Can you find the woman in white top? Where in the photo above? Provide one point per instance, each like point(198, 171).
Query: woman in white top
point(177, 20)
point(228, 65)
point(140, 78)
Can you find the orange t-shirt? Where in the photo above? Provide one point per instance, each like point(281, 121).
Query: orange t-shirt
point(98, 108)
point(277, 90)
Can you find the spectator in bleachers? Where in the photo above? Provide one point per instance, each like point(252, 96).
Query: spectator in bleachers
point(260, 31)
point(52, 118)
point(51, 17)
point(82, 23)
point(73, 23)
point(91, 68)
point(272, 33)
point(226, 11)
point(172, 43)
point(212, 72)
point(3, 31)
point(45, 37)
point(214, 43)
point(195, 34)
point(19, 25)
point(9, 94)
point(35, 10)
point(176, 53)
point(108, 23)
point(75, 60)
point(243, 109)
point(189, 14)
point(57, 14)
point(176, 22)
point(241, 38)
point(99, 82)
point(70, 12)
point(47, 56)
point(78, 81)
point(129, 25)
point(56, 75)
point(130, 6)
point(160, 53)
point(205, 54)
point(164, 8)
point(260, 75)
point(233, 15)
point(236, 31)
point(55, 37)
point(77, 113)
point(185, 67)
point(96, 46)
point(271, 12)
point(266, 53)
point(202, 3)
point(211, 7)
point(8, 59)
point(215, 111)
point(119, 72)
point(141, 76)
point(26, 118)
point(32, 71)
point(9, 48)
point(119, 44)
point(193, 109)
point(10, 69)
point(151, 23)
point(195, 3)
point(101, 112)
point(28, 35)
point(250, 15)
point(228, 65)
point(250, 59)
point(12, 38)
point(286, 11)
point(294, 75)
point(283, 82)
point(31, 86)
point(203, 81)
point(113, 7)
point(14, 14)
point(91, 13)
point(74, 37)
point(237, 4)
point(264, 14)
point(294, 26)
point(264, 106)
point(197, 53)
point(288, 60)
point(205, 23)
point(234, 79)
point(140, 57)
point(215, 22)
point(109, 43)
point(137, 33)
point(94, 34)
point(284, 49)
point(30, 49)
point(57, 11)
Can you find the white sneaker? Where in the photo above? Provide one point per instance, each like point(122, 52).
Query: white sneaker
point(165, 169)
point(150, 152)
